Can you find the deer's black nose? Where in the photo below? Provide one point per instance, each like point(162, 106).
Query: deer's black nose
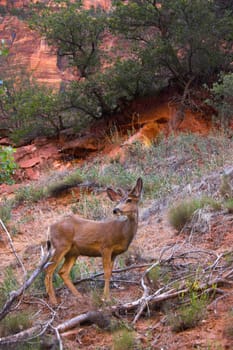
point(116, 211)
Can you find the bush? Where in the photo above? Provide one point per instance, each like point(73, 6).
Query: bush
point(7, 164)
point(182, 213)
point(124, 340)
point(229, 205)
point(189, 315)
point(29, 194)
point(15, 323)
point(5, 211)
point(8, 285)
point(222, 100)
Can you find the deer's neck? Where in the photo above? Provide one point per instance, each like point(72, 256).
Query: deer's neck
point(132, 225)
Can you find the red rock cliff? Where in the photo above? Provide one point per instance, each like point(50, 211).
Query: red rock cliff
point(29, 51)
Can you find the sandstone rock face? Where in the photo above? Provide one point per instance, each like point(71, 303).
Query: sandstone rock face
point(27, 50)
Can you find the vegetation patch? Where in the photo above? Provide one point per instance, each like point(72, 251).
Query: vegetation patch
point(228, 204)
point(190, 314)
point(179, 215)
point(15, 323)
point(124, 340)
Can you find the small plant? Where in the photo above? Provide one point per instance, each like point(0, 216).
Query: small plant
point(179, 215)
point(5, 211)
point(7, 164)
point(71, 180)
point(79, 270)
point(114, 136)
point(9, 284)
point(190, 313)
point(90, 207)
point(123, 340)
point(38, 286)
point(14, 323)
point(29, 194)
point(154, 275)
point(97, 297)
point(229, 205)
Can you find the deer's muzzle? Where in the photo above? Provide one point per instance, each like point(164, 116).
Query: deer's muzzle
point(116, 211)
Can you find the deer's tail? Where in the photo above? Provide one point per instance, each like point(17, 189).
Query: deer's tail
point(48, 242)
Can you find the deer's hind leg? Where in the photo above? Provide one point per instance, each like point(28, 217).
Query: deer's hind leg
point(64, 273)
point(55, 260)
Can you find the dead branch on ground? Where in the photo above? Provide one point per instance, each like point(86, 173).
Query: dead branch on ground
point(189, 269)
point(14, 295)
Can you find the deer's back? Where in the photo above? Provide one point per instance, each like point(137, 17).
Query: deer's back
point(90, 238)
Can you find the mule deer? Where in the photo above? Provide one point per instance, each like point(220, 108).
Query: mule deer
point(74, 236)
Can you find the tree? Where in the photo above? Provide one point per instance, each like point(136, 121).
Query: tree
point(184, 37)
point(222, 99)
point(29, 109)
point(7, 162)
point(75, 32)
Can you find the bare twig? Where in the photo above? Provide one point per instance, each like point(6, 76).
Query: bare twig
point(12, 247)
point(14, 295)
point(21, 336)
point(132, 267)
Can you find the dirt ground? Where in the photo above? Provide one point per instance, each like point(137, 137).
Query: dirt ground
point(214, 332)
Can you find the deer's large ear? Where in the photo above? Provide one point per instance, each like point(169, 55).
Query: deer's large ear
point(113, 195)
point(137, 190)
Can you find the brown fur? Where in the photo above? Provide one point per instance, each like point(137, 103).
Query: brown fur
point(74, 236)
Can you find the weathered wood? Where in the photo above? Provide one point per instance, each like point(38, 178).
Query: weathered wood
point(14, 295)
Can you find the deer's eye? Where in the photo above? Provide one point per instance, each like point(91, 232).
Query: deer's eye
point(129, 200)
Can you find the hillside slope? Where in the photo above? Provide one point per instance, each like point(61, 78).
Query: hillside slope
point(173, 168)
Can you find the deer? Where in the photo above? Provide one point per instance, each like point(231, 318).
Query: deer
point(74, 236)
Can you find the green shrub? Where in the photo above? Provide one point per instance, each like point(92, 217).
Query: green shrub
point(222, 99)
point(180, 214)
point(7, 164)
point(90, 207)
point(14, 323)
point(71, 180)
point(5, 211)
point(123, 340)
point(29, 194)
point(229, 205)
point(9, 284)
point(189, 314)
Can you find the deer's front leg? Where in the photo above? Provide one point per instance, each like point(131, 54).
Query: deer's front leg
point(107, 266)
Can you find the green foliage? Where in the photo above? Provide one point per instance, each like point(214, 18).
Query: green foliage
point(29, 194)
point(69, 181)
point(80, 43)
point(123, 340)
point(9, 284)
point(154, 275)
point(90, 207)
point(228, 204)
point(182, 213)
point(173, 43)
point(7, 164)
point(31, 109)
point(222, 100)
point(14, 323)
point(5, 211)
point(190, 313)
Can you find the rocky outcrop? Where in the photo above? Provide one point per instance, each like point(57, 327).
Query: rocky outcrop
point(28, 51)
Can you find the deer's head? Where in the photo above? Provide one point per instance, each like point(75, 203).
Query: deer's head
point(128, 203)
